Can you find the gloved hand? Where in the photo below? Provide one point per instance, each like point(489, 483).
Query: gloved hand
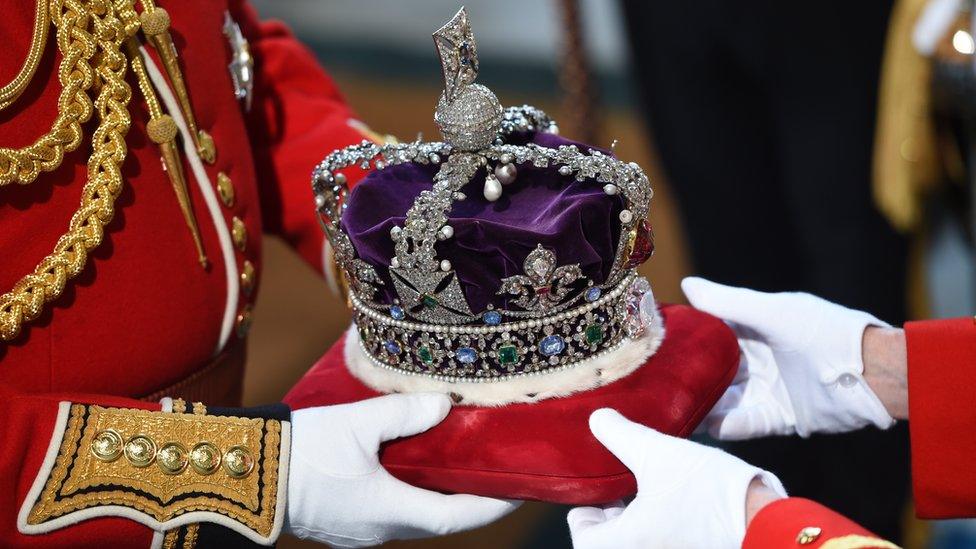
point(688, 495)
point(338, 493)
point(801, 367)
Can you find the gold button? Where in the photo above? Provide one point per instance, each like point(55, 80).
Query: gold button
point(238, 233)
point(808, 535)
point(225, 188)
point(205, 458)
point(140, 451)
point(238, 462)
point(244, 322)
point(206, 148)
point(247, 277)
point(172, 458)
point(107, 445)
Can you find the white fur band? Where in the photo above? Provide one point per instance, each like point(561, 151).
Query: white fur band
point(588, 374)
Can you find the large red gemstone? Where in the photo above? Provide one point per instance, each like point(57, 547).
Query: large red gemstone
point(542, 291)
point(642, 245)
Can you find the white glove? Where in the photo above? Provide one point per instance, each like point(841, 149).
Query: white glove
point(688, 495)
point(338, 493)
point(801, 367)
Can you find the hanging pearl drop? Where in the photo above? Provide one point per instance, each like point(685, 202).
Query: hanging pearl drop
point(493, 188)
point(446, 232)
point(445, 265)
point(320, 200)
point(565, 170)
point(506, 173)
point(610, 189)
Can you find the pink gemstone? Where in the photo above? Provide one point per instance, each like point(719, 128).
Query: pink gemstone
point(542, 291)
point(643, 246)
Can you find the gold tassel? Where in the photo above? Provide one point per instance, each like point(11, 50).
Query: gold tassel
point(162, 131)
point(155, 25)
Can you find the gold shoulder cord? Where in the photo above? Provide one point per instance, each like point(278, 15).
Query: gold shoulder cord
point(78, 46)
point(10, 92)
point(83, 28)
point(97, 42)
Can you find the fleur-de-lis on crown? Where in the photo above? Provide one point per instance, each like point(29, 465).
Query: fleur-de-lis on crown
point(544, 284)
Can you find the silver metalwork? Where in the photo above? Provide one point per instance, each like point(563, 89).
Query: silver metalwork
point(544, 285)
point(468, 114)
point(241, 64)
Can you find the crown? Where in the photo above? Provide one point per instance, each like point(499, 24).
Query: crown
point(536, 275)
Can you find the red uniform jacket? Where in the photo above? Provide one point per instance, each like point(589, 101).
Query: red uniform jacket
point(941, 388)
point(143, 316)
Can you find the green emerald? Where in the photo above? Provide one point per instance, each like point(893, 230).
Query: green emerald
point(425, 354)
point(429, 301)
point(508, 354)
point(594, 333)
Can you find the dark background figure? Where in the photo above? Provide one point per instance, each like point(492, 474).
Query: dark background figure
point(763, 114)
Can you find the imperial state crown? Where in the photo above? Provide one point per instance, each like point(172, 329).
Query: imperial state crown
point(499, 265)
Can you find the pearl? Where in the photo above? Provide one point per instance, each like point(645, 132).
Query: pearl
point(320, 201)
point(506, 158)
point(506, 173)
point(610, 189)
point(565, 170)
point(340, 178)
point(554, 129)
point(445, 265)
point(394, 262)
point(434, 158)
point(493, 189)
point(626, 216)
point(380, 164)
point(446, 232)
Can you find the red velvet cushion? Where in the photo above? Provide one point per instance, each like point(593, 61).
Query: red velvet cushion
point(544, 451)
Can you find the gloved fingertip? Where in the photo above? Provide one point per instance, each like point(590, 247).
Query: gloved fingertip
point(426, 409)
point(581, 518)
point(615, 509)
point(693, 286)
point(605, 418)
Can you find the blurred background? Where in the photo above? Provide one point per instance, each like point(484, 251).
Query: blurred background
point(821, 148)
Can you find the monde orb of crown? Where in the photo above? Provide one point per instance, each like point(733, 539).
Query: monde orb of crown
point(471, 121)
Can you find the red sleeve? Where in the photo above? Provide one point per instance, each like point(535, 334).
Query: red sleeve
point(798, 522)
point(27, 426)
point(297, 117)
point(941, 389)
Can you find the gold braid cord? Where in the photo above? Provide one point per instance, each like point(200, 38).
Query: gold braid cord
point(84, 29)
point(10, 92)
point(78, 47)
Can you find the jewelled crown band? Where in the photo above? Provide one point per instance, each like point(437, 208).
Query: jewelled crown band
point(412, 313)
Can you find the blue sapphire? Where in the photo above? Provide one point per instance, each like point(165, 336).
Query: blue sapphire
point(396, 312)
point(552, 345)
point(492, 318)
point(466, 355)
point(392, 347)
point(593, 294)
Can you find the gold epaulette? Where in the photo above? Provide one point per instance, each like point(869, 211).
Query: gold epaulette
point(162, 469)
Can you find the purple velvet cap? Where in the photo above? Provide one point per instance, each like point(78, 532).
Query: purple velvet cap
point(576, 220)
